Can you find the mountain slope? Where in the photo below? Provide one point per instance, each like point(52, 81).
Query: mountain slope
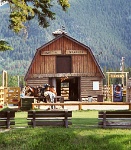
point(104, 26)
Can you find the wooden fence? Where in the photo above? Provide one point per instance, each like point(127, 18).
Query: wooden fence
point(1, 96)
point(13, 95)
point(80, 104)
point(9, 95)
point(108, 92)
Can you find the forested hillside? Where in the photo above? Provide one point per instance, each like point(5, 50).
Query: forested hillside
point(104, 26)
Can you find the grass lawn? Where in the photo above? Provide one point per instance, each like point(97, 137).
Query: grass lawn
point(82, 135)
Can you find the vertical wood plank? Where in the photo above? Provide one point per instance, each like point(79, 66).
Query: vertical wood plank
point(34, 121)
point(104, 119)
point(8, 120)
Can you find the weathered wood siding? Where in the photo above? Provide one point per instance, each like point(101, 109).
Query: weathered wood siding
point(87, 86)
point(37, 82)
point(128, 92)
point(46, 64)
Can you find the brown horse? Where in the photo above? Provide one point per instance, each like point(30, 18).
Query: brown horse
point(37, 92)
point(31, 91)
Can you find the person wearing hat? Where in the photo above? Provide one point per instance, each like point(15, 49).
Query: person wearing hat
point(46, 86)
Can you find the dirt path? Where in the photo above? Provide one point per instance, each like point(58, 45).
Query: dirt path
point(92, 107)
point(88, 107)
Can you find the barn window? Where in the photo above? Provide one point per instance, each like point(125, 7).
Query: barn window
point(63, 64)
point(95, 85)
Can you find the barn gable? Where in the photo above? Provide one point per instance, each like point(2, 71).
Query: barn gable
point(48, 57)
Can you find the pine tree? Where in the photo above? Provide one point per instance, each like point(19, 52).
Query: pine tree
point(23, 11)
point(5, 46)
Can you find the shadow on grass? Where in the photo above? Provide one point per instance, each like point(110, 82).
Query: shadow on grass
point(65, 139)
point(84, 122)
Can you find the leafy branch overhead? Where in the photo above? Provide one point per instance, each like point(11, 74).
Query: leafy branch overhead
point(22, 11)
point(5, 46)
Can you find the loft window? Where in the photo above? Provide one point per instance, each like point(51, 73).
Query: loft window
point(63, 64)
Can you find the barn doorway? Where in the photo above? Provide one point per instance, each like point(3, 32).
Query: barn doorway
point(69, 88)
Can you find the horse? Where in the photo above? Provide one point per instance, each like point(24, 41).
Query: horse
point(42, 93)
point(30, 91)
point(49, 93)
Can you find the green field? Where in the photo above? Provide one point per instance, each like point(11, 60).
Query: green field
point(83, 134)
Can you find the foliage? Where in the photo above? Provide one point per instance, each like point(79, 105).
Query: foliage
point(116, 80)
point(5, 46)
point(13, 81)
point(25, 10)
point(104, 26)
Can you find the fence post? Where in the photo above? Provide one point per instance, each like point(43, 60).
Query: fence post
point(80, 106)
point(8, 119)
point(32, 105)
point(129, 106)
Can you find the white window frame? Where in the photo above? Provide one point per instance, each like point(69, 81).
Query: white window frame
point(96, 85)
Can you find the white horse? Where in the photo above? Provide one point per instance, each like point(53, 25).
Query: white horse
point(51, 96)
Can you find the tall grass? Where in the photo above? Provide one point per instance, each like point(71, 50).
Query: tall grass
point(84, 134)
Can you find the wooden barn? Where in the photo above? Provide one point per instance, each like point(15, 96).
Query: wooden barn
point(69, 66)
point(129, 90)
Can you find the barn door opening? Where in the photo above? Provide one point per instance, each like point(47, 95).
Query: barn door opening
point(69, 88)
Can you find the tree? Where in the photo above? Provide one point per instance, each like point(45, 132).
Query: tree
point(5, 46)
point(22, 11)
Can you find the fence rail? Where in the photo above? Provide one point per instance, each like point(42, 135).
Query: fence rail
point(9, 95)
point(80, 104)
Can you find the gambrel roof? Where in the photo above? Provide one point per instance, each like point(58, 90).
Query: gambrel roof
point(69, 38)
